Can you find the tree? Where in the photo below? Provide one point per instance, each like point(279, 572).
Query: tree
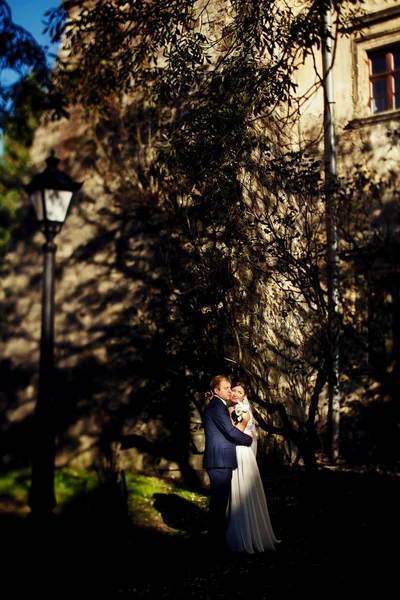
point(23, 99)
point(21, 54)
point(28, 100)
point(198, 97)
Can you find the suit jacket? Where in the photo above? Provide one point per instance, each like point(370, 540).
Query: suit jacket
point(222, 436)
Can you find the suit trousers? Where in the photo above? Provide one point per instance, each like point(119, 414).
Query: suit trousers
point(220, 492)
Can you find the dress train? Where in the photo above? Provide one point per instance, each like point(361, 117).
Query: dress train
point(249, 526)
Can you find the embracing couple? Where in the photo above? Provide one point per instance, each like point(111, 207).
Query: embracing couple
point(238, 513)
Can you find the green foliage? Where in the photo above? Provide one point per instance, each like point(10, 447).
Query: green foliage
point(7, 213)
point(15, 164)
point(214, 76)
point(209, 86)
point(22, 101)
point(27, 103)
point(169, 47)
point(20, 53)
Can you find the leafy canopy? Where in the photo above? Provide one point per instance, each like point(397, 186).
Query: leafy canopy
point(20, 55)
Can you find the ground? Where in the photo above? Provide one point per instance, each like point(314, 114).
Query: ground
point(339, 536)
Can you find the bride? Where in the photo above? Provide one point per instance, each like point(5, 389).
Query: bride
point(249, 526)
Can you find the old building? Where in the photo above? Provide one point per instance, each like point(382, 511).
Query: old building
point(366, 109)
point(113, 315)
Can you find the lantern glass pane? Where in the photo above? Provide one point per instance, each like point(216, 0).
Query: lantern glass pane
point(57, 203)
point(37, 202)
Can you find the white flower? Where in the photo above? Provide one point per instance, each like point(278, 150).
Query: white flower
point(238, 411)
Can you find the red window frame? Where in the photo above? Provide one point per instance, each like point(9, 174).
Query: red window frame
point(391, 97)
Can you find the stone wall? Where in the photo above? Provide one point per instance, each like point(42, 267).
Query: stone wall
point(118, 400)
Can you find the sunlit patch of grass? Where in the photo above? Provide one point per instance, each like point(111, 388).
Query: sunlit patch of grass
point(140, 499)
point(140, 490)
point(146, 486)
point(15, 484)
point(108, 489)
point(68, 483)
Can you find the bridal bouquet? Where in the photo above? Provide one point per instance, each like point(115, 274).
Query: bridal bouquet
point(238, 412)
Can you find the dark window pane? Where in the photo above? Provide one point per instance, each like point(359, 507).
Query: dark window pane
point(379, 98)
point(397, 91)
point(379, 88)
point(396, 58)
point(378, 63)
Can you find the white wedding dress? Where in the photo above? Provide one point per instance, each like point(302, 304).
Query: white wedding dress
point(249, 526)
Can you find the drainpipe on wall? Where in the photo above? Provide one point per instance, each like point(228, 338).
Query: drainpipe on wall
point(332, 237)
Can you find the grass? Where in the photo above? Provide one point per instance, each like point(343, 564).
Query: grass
point(15, 484)
point(145, 496)
point(141, 496)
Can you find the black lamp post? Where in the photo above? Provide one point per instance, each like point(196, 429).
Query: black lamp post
point(51, 193)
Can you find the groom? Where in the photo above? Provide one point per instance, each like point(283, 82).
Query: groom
point(219, 459)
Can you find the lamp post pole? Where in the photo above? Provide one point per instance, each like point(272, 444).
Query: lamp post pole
point(51, 193)
point(42, 497)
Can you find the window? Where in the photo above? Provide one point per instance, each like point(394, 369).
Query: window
point(384, 68)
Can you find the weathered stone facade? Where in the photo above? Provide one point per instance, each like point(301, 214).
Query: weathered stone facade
point(109, 305)
point(366, 149)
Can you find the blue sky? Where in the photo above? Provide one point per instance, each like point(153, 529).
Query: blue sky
point(30, 14)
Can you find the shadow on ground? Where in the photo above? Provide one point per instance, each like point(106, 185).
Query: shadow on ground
point(337, 537)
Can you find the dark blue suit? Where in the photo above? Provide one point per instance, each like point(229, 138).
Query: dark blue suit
point(219, 460)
